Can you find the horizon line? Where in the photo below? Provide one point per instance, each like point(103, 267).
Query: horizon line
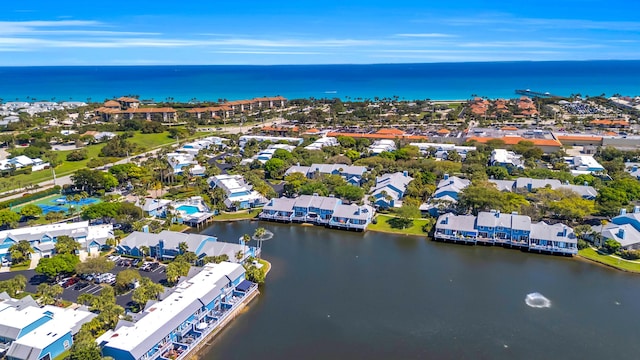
point(323, 64)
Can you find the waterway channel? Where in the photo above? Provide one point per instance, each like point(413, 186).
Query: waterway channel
point(341, 295)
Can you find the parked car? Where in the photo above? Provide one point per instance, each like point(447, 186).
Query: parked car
point(81, 285)
point(63, 281)
point(70, 282)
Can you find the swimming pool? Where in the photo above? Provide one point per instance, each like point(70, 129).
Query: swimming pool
point(189, 209)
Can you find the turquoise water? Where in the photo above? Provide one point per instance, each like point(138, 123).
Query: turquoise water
point(188, 209)
point(406, 81)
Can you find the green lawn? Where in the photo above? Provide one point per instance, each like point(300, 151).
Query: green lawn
point(21, 267)
point(239, 215)
point(384, 226)
point(266, 266)
point(178, 227)
point(151, 141)
point(621, 264)
point(145, 141)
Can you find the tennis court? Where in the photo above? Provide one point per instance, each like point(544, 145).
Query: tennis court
point(57, 203)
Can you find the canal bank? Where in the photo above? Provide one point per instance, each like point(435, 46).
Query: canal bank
point(337, 294)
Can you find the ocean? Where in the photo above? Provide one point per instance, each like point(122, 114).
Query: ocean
point(436, 81)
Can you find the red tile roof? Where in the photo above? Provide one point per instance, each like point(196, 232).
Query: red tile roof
point(513, 140)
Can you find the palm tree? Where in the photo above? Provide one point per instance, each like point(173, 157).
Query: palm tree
point(245, 240)
point(183, 247)
point(258, 235)
point(239, 255)
point(144, 250)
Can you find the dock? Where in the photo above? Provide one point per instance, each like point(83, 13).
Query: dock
point(531, 93)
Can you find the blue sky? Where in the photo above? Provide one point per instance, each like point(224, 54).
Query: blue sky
point(145, 32)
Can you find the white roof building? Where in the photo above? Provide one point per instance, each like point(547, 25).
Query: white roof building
point(382, 146)
point(322, 142)
point(238, 191)
point(502, 157)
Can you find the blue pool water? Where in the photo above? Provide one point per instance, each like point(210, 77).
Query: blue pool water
point(189, 209)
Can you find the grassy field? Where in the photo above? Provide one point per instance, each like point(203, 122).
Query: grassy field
point(145, 141)
point(615, 262)
point(384, 226)
point(239, 215)
point(151, 141)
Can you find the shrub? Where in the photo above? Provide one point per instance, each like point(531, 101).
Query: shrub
point(77, 155)
point(630, 254)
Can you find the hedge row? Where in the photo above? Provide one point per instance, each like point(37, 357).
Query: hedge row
point(35, 196)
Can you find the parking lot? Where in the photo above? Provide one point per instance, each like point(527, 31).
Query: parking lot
point(71, 293)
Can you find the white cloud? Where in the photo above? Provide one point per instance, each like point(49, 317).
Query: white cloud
point(427, 35)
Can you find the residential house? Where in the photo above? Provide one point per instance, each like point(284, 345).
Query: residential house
point(28, 331)
point(383, 145)
point(274, 139)
point(583, 164)
point(445, 196)
point(239, 194)
point(178, 161)
point(322, 142)
point(440, 151)
point(624, 228)
point(351, 173)
point(44, 237)
point(166, 245)
point(155, 207)
point(523, 184)
point(320, 210)
point(502, 157)
point(390, 189)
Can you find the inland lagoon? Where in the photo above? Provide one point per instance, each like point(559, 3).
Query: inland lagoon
point(335, 294)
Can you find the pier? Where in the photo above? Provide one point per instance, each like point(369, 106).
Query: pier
point(528, 92)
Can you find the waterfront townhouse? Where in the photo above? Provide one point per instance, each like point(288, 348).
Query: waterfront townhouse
point(624, 228)
point(456, 228)
point(173, 327)
point(523, 184)
point(166, 245)
point(239, 193)
point(28, 331)
point(43, 238)
point(510, 230)
point(351, 173)
point(390, 188)
point(320, 210)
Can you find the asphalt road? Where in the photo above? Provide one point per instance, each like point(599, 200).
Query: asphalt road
point(71, 294)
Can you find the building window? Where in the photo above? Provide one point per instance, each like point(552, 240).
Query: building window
point(66, 344)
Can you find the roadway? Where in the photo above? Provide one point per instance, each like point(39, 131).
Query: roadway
point(66, 179)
